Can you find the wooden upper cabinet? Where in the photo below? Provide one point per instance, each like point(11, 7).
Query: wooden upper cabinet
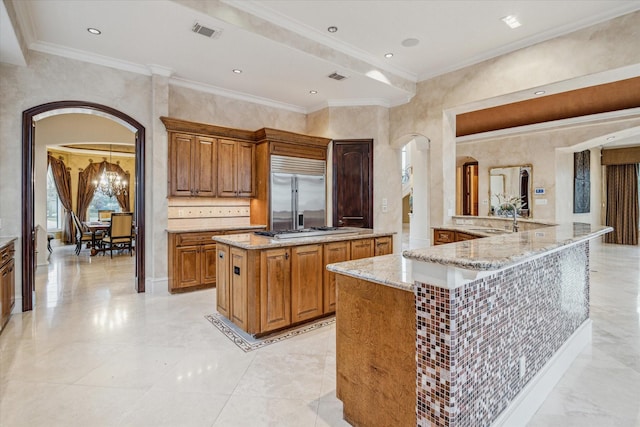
point(192, 165)
point(205, 166)
point(235, 168)
point(227, 168)
point(246, 165)
point(180, 165)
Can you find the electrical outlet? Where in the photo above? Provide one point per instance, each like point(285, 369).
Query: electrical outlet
point(523, 366)
point(485, 202)
point(180, 212)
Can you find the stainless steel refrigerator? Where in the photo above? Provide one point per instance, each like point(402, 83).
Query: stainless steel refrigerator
point(298, 193)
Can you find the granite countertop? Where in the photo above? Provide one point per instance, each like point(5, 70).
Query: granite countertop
point(223, 228)
point(4, 241)
point(391, 270)
point(474, 230)
point(499, 251)
point(254, 241)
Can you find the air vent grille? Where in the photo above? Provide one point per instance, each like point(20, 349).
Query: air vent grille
point(212, 33)
point(336, 76)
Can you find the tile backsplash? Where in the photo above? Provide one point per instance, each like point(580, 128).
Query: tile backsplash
point(195, 212)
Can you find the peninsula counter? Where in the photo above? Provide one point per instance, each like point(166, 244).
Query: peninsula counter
point(485, 327)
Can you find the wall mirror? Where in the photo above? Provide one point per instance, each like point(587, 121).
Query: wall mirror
point(511, 181)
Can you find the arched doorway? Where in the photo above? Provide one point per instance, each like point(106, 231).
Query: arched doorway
point(413, 153)
point(28, 227)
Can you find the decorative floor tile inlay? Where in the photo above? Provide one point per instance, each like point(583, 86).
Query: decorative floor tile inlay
point(248, 343)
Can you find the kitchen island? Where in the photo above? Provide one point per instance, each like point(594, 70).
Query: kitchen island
point(493, 323)
point(268, 283)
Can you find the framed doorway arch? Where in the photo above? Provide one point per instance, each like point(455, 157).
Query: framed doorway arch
point(28, 189)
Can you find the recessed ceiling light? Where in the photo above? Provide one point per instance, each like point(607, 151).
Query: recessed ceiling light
point(332, 29)
point(611, 138)
point(94, 31)
point(388, 55)
point(410, 42)
point(237, 71)
point(539, 92)
point(511, 21)
point(313, 92)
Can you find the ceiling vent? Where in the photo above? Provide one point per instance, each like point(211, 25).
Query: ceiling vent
point(336, 76)
point(212, 33)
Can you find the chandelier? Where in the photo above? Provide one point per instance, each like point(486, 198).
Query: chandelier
point(110, 183)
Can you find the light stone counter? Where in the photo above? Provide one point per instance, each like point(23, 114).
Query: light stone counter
point(4, 241)
point(500, 251)
point(253, 241)
point(390, 270)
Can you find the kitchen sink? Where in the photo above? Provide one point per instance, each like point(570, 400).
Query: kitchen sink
point(490, 230)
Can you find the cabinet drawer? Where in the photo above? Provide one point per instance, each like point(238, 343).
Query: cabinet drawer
point(464, 236)
point(7, 253)
point(293, 150)
point(186, 239)
point(443, 236)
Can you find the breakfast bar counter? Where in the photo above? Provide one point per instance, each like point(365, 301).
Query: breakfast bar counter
point(484, 327)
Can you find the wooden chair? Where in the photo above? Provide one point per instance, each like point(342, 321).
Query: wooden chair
point(81, 235)
point(120, 233)
point(105, 215)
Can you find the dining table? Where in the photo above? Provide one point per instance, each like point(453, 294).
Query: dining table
point(94, 227)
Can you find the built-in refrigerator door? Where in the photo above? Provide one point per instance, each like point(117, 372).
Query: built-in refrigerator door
point(282, 201)
point(311, 205)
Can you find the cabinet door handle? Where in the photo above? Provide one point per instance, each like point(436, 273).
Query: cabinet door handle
point(286, 255)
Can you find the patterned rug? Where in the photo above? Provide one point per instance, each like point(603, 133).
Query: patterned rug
point(248, 343)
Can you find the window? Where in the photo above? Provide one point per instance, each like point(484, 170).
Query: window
point(55, 209)
point(101, 202)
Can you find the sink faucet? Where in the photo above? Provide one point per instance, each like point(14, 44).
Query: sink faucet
point(515, 216)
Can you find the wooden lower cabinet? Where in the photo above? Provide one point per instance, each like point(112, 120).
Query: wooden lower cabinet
point(7, 283)
point(238, 287)
point(441, 237)
point(333, 252)
point(223, 298)
point(275, 289)
point(306, 282)
point(362, 248)
point(263, 290)
point(193, 259)
point(383, 246)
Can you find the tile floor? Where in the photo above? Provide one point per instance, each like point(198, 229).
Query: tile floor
point(95, 353)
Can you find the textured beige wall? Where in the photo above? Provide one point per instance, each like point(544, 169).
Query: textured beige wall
point(189, 104)
point(607, 46)
point(552, 168)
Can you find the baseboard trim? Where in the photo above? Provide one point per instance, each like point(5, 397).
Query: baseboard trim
point(529, 400)
point(157, 286)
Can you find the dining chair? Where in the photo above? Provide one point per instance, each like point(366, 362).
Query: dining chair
point(120, 233)
point(81, 235)
point(105, 215)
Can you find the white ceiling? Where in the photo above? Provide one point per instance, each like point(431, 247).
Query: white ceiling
point(283, 46)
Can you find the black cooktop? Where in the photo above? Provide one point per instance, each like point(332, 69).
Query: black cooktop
point(273, 233)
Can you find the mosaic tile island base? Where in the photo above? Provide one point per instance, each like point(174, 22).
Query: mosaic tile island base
point(497, 321)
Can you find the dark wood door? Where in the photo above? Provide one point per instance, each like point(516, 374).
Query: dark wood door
point(470, 189)
point(353, 183)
